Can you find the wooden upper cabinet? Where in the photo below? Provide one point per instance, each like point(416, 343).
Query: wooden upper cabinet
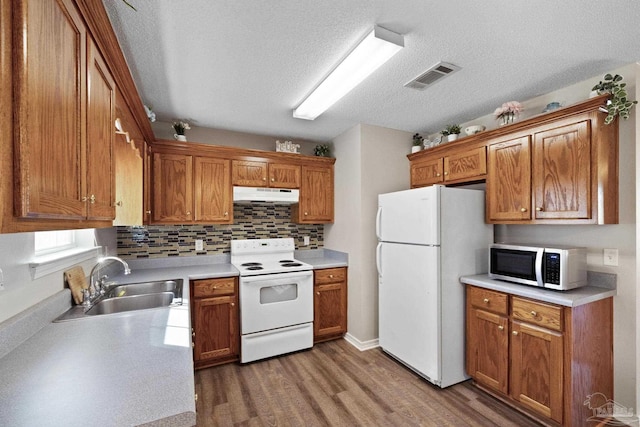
point(213, 192)
point(249, 173)
point(316, 196)
point(509, 180)
point(264, 174)
point(172, 188)
point(427, 172)
point(100, 135)
point(283, 175)
point(459, 166)
point(50, 110)
point(561, 172)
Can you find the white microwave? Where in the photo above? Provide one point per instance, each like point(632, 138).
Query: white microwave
point(558, 267)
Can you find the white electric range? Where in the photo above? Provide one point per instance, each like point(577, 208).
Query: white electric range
point(276, 298)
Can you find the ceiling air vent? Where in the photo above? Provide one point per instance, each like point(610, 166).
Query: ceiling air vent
point(432, 75)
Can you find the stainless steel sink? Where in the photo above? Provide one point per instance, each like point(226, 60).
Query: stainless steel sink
point(130, 303)
point(142, 288)
point(130, 297)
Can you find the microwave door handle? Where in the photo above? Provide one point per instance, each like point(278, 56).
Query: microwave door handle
point(539, 256)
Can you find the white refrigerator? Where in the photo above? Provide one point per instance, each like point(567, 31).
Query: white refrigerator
point(428, 238)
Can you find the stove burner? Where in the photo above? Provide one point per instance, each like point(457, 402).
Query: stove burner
point(251, 264)
point(255, 267)
point(286, 260)
point(291, 264)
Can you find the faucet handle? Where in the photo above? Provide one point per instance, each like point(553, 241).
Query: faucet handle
point(86, 298)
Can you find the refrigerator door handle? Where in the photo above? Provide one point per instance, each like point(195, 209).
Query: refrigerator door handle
point(379, 259)
point(378, 224)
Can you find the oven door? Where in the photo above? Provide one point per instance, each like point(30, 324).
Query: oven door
point(275, 301)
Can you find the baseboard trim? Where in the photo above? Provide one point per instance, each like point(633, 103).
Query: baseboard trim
point(361, 345)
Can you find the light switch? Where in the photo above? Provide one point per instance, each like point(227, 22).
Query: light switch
point(305, 240)
point(199, 244)
point(611, 257)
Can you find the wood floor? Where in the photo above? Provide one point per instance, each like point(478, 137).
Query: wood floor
point(334, 384)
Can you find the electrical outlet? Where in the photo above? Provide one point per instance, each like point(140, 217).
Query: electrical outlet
point(305, 240)
point(611, 257)
point(199, 244)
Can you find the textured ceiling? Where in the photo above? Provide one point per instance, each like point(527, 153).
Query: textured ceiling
point(244, 65)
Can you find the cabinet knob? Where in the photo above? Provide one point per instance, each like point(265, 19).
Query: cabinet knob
point(501, 327)
point(515, 332)
point(92, 199)
point(446, 173)
point(264, 179)
point(188, 212)
point(148, 212)
point(273, 180)
point(214, 288)
point(306, 213)
point(226, 214)
point(534, 313)
point(317, 293)
point(539, 208)
point(233, 304)
point(193, 334)
point(438, 174)
point(84, 199)
point(331, 276)
point(486, 300)
point(523, 209)
point(119, 203)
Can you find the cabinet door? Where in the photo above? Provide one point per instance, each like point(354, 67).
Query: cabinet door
point(172, 188)
point(509, 180)
point(100, 135)
point(249, 174)
point(284, 176)
point(216, 328)
point(213, 198)
point(427, 172)
point(465, 165)
point(329, 311)
point(562, 172)
point(49, 89)
point(488, 349)
point(316, 195)
point(536, 369)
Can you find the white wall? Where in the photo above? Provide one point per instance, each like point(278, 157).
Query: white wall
point(370, 160)
point(20, 290)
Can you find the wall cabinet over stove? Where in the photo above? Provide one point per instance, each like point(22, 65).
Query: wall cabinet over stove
point(193, 183)
point(543, 358)
point(329, 303)
point(215, 321)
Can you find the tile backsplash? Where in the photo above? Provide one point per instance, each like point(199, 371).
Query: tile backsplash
point(251, 221)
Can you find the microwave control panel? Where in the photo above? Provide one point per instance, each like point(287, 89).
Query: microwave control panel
point(552, 268)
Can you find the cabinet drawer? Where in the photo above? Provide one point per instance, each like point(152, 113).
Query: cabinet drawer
point(545, 315)
point(214, 287)
point(496, 302)
point(330, 275)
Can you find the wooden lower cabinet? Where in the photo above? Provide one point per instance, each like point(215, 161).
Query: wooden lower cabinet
point(541, 358)
point(215, 321)
point(329, 304)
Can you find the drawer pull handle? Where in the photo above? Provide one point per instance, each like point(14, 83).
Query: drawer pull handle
point(515, 332)
point(486, 300)
point(331, 276)
point(501, 327)
point(533, 313)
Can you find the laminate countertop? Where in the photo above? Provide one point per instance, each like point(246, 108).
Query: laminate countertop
point(570, 298)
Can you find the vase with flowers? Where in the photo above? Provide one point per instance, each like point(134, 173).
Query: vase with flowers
point(508, 113)
point(179, 126)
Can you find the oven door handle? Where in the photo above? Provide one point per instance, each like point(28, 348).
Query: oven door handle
point(277, 276)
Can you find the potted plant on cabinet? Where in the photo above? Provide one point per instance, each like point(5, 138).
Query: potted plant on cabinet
point(180, 126)
point(451, 132)
point(417, 143)
point(618, 103)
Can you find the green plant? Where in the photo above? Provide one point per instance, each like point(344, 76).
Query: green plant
point(618, 104)
point(322, 150)
point(180, 126)
point(417, 140)
point(451, 130)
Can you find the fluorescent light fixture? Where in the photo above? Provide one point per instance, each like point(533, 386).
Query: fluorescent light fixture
point(373, 51)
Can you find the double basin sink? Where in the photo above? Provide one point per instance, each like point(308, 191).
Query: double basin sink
point(130, 297)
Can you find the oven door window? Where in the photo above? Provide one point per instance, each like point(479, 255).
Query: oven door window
point(278, 293)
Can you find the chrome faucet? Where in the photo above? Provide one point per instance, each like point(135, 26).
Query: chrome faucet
point(98, 285)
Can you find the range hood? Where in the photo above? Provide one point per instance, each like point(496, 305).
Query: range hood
point(257, 194)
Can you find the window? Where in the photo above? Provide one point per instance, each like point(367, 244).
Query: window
point(47, 242)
